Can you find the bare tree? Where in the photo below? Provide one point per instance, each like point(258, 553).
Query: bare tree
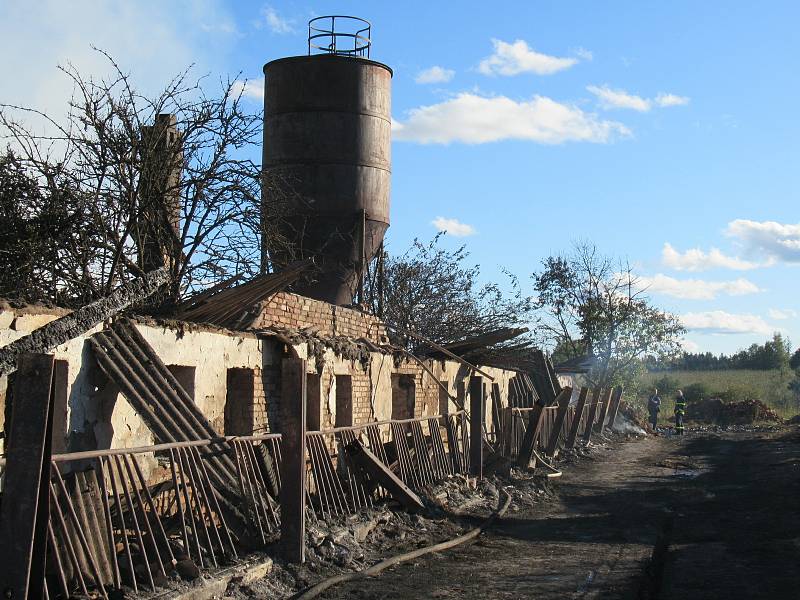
point(588, 303)
point(434, 292)
point(148, 187)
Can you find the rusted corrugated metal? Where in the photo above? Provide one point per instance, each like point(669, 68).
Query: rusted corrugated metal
point(238, 307)
point(162, 403)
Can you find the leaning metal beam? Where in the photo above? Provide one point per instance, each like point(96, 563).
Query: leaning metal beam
point(367, 463)
point(76, 323)
point(427, 369)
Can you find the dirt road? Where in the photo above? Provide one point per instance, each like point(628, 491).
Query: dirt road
point(721, 511)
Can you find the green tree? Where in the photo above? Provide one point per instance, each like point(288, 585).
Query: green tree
point(794, 361)
point(588, 302)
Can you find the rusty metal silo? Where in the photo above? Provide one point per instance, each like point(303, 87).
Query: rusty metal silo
point(327, 156)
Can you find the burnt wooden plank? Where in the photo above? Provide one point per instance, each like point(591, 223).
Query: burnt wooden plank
point(601, 420)
point(26, 507)
point(576, 422)
point(563, 404)
point(616, 399)
point(587, 433)
point(477, 418)
point(535, 420)
point(368, 467)
point(293, 465)
point(496, 424)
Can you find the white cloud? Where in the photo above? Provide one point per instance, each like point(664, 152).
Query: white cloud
point(583, 54)
point(153, 41)
point(671, 100)
point(778, 241)
point(435, 74)
point(453, 227)
point(697, 289)
point(249, 88)
point(473, 119)
point(690, 346)
point(718, 321)
point(610, 99)
point(517, 57)
point(781, 314)
point(618, 98)
point(274, 22)
point(695, 259)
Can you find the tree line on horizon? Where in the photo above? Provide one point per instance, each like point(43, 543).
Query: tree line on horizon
point(773, 354)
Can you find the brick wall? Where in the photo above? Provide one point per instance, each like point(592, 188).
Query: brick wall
point(267, 398)
point(290, 311)
point(426, 392)
point(361, 389)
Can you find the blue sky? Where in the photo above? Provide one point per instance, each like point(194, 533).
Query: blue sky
point(666, 133)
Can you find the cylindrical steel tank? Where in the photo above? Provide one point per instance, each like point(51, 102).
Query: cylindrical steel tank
point(327, 165)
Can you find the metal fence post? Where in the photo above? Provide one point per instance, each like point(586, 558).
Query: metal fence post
point(293, 466)
point(477, 416)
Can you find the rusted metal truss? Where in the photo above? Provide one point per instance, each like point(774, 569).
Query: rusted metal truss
point(163, 404)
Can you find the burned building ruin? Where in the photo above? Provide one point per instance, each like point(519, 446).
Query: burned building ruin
point(170, 435)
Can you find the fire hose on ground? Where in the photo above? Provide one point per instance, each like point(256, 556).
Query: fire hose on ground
point(316, 590)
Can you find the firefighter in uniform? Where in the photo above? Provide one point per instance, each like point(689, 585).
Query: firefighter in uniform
point(680, 412)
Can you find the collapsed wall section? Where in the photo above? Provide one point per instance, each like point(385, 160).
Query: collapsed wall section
point(290, 311)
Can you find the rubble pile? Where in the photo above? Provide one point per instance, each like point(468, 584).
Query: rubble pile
point(355, 541)
point(714, 410)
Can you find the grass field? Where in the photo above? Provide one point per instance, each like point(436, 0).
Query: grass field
point(768, 386)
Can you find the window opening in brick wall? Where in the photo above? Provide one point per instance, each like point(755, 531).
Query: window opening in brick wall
point(403, 396)
point(239, 402)
point(344, 401)
point(185, 377)
point(313, 402)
